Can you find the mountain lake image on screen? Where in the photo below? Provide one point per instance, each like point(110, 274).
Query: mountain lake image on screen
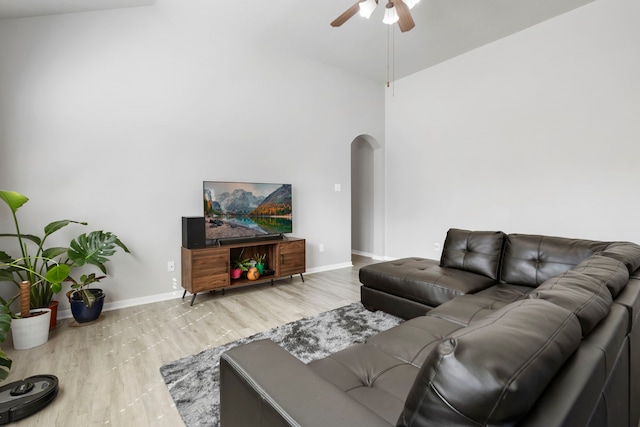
point(241, 209)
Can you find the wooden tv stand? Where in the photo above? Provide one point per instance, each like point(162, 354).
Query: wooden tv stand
point(209, 269)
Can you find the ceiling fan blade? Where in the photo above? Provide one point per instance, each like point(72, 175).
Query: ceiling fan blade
point(346, 15)
point(405, 21)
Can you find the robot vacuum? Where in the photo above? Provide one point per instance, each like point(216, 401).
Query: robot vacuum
point(23, 398)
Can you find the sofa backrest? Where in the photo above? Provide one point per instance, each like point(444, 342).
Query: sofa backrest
point(530, 260)
point(608, 271)
point(625, 252)
point(585, 296)
point(478, 252)
point(492, 372)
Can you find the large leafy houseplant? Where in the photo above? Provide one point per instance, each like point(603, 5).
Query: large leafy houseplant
point(45, 269)
point(37, 266)
point(57, 263)
point(36, 260)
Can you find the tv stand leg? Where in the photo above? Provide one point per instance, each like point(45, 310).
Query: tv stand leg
point(302, 277)
point(193, 298)
point(184, 293)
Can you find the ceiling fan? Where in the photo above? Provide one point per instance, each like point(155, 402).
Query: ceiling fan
point(395, 11)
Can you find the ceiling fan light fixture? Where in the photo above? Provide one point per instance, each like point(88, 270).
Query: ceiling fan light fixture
point(411, 3)
point(367, 7)
point(390, 15)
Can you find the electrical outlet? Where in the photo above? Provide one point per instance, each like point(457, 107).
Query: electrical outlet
point(436, 247)
point(171, 266)
point(321, 247)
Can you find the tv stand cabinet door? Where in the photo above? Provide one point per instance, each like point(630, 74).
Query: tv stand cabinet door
point(292, 258)
point(206, 269)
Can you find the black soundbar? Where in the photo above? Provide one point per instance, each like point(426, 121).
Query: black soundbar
point(248, 239)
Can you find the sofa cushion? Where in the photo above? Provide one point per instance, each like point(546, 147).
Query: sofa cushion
point(377, 380)
point(626, 252)
point(587, 297)
point(380, 373)
point(492, 372)
point(466, 309)
point(506, 292)
point(610, 272)
point(474, 251)
point(469, 308)
point(261, 384)
point(422, 280)
point(529, 260)
point(413, 340)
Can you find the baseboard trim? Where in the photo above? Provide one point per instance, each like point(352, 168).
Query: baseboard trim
point(372, 256)
point(329, 267)
point(66, 314)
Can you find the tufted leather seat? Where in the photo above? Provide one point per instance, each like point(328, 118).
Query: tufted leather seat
point(422, 280)
point(379, 373)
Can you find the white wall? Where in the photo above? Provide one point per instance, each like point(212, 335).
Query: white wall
point(116, 118)
point(535, 133)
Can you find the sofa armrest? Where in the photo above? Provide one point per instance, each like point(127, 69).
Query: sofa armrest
point(261, 384)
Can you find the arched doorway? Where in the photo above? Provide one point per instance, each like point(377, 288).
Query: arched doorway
point(367, 197)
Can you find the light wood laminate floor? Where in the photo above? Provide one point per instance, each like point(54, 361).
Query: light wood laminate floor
point(109, 370)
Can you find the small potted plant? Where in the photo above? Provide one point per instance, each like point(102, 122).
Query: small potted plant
point(239, 265)
point(260, 262)
point(95, 249)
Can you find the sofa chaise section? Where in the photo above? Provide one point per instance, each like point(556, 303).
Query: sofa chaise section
point(473, 262)
point(409, 287)
point(559, 347)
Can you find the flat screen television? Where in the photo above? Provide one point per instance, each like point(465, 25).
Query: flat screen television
point(244, 210)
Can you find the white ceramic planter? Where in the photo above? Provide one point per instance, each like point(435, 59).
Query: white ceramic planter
point(31, 331)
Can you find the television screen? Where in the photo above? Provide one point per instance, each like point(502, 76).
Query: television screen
point(242, 209)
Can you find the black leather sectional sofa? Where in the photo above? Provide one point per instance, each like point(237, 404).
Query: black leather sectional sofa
point(504, 330)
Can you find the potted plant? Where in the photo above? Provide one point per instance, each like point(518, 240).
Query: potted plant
point(239, 265)
point(95, 249)
point(260, 262)
point(36, 259)
point(31, 326)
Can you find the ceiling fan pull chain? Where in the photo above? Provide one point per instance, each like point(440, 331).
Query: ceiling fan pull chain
point(393, 60)
point(391, 57)
point(388, 53)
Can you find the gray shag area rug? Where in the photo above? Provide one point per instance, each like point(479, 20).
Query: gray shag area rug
point(194, 381)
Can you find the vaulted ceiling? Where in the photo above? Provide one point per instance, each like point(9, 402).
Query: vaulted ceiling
point(444, 28)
